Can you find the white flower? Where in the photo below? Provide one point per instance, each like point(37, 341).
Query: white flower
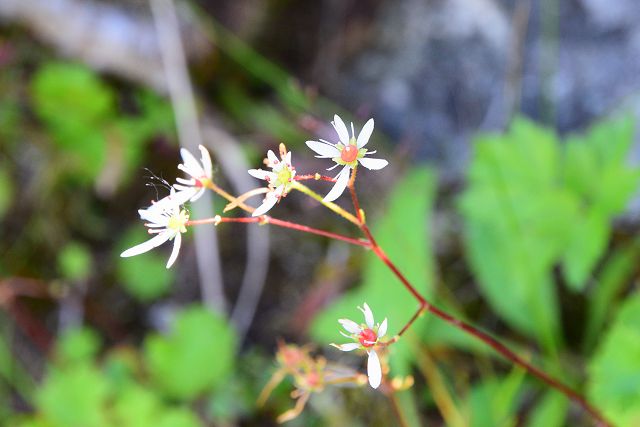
point(348, 152)
point(279, 179)
point(200, 173)
point(365, 336)
point(167, 221)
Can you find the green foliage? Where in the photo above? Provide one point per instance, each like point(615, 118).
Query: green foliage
point(531, 205)
point(6, 191)
point(74, 262)
point(402, 231)
point(492, 402)
point(77, 345)
point(144, 276)
point(80, 111)
point(74, 397)
point(195, 357)
point(614, 377)
point(550, 412)
point(75, 104)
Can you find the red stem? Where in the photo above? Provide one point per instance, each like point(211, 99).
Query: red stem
point(477, 333)
point(264, 219)
point(316, 177)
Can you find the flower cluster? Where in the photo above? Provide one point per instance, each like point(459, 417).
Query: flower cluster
point(166, 217)
point(279, 179)
point(366, 336)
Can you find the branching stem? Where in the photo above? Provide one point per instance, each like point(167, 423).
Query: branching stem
point(468, 328)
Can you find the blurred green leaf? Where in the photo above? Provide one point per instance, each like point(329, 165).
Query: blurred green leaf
point(613, 278)
point(404, 234)
point(551, 411)
point(74, 262)
point(494, 402)
point(6, 191)
point(144, 276)
point(195, 357)
point(517, 222)
point(178, 417)
point(532, 204)
point(614, 377)
point(596, 170)
point(64, 93)
point(76, 105)
point(136, 406)
point(77, 345)
point(74, 397)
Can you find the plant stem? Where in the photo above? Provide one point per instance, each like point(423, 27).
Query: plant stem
point(466, 327)
point(335, 208)
point(234, 200)
point(316, 177)
point(264, 219)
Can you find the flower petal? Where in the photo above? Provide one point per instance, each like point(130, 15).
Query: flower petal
point(273, 159)
point(323, 149)
point(340, 185)
point(191, 165)
point(177, 241)
point(341, 128)
point(350, 326)
point(368, 315)
point(350, 346)
point(382, 330)
point(374, 370)
point(206, 161)
point(259, 173)
point(365, 134)
point(268, 202)
point(373, 164)
point(197, 194)
point(148, 245)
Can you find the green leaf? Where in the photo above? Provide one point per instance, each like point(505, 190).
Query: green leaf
point(517, 222)
point(6, 191)
point(178, 417)
point(589, 239)
point(144, 276)
point(76, 106)
point(494, 401)
point(550, 412)
point(77, 345)
point(64, 93)
point(614, 377)
point(403, 233)
point(136, 406)
point(615, 275)
point(195, 357)
point(74, 397)
point(74, 262)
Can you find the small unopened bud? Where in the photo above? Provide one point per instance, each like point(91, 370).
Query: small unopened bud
point(283, 150)
point(317, 176)
point(402, 383)
point(217, 220)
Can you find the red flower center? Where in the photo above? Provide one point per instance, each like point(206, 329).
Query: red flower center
point(349, 153)
point(367, 338)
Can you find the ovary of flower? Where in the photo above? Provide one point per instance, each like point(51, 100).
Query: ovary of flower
point(167, 221)
point(348, 152)
point(200, 173)
point(279, 179)
point(365, 336)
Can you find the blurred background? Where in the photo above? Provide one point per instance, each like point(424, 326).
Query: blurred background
point(510, 200)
